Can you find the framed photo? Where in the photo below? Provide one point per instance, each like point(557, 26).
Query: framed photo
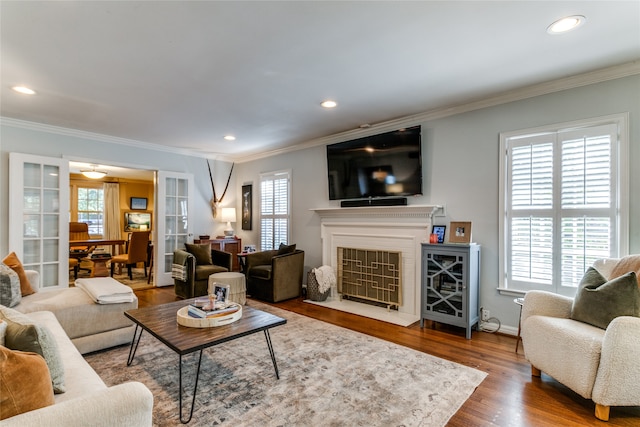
point(249, 249)
point(439, 231)
point(460, 232)
point(138, 203)
point(246, 206)
point(220, 294)
point(137, 221)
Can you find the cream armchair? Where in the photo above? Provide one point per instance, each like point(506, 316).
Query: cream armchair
point(598, 364)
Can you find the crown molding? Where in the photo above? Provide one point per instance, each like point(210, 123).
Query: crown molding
point(571, 82)
point(76, 133)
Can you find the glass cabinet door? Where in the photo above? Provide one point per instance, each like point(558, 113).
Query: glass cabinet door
point(445, 290)
point(38, 220)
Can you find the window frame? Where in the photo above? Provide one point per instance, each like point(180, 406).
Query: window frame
point(272, 176)
point(620, 203)
point(76, 208)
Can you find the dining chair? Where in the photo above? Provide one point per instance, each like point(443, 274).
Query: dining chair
point(136, 252)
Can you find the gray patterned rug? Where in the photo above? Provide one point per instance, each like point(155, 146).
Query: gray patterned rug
point(329, 376)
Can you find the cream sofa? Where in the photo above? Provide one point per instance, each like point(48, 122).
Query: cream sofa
point(90, 326)
point(87, 401)
point(598, 364)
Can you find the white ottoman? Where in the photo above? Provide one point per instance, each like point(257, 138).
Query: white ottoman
point(237, 285)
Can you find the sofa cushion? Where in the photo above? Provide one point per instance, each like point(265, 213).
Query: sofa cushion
point(24, 383)
point(261, 272)
point(202, 253)
point(12, 261)
point(25, 335)
point(599, 301)
point(10, 293)
point(286, 249)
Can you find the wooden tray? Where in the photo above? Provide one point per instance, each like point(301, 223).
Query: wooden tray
point(192, 322)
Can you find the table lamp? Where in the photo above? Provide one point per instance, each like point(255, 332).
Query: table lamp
point(228, 216)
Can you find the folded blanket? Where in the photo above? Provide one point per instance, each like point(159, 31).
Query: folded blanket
point(105, 290)
point(179, 272)
point(325, 277)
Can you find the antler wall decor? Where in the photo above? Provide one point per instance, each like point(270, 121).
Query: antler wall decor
point(215, 201)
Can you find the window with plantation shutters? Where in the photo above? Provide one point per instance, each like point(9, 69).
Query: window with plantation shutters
point(274, 209)
point(561, 203)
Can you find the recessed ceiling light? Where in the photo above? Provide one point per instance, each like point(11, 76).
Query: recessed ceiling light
point(230, 137)
point(24, 90)
point(329, 104)
point(566, 24)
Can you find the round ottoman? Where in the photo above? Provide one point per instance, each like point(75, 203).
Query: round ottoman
point(236, 282)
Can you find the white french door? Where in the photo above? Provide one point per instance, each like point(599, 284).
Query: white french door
point(39, 216)
point(174, 224)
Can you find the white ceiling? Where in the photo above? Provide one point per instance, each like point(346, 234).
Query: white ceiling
point(186, 73)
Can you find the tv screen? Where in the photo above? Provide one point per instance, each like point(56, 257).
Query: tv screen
point(385, 165)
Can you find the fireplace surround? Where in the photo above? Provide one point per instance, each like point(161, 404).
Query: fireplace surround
point(381, 228)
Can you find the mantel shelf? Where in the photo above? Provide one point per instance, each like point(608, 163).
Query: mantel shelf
point(407, 211)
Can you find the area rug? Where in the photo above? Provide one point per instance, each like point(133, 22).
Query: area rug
point(329, 376)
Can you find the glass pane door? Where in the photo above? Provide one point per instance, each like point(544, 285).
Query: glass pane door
point(38, 220)
point(174, 221)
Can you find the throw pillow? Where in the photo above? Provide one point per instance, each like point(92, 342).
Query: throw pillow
point(12, 261)
point(25, 335)
point(201, 252)
point(625, 265)
point(286, 249)
point(599, 301)
point(10, 293)
point(24, 383)
point(3, 331)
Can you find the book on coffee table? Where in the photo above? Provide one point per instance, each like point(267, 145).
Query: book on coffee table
point(204, 312)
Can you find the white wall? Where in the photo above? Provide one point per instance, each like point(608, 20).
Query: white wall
point(83, 147)
point(460, 168)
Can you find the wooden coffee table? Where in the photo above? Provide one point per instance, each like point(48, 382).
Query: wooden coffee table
point(160, 321)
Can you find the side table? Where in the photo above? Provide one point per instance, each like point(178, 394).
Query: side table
point(520, 302)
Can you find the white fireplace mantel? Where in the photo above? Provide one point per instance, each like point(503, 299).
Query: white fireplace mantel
point(389, 228)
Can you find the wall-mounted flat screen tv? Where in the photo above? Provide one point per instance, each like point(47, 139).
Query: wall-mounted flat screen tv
point(384, 165)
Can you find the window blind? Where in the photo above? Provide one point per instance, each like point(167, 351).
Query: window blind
point(274, 209)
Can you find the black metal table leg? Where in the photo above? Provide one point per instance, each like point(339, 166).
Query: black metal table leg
point(195, 388)
point(134, 345)
point(273, 356)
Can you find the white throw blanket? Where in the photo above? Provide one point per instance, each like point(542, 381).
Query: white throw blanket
point(106, 290)
point(325, 277)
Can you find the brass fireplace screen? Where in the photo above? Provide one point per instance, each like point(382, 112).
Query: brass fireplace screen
point(370, 275)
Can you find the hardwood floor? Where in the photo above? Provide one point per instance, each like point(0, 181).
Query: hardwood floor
point(509, 396)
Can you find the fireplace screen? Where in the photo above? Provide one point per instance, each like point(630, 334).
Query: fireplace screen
point(370, 275)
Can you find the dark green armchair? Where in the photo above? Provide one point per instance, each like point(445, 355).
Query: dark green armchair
point(192, 267)
point(274, 277)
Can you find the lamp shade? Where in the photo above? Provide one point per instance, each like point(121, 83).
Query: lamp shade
point(228, 215)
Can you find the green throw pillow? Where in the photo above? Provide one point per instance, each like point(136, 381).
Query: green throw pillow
point(286, 249)
point(25, 335)
point(201, 252)
point(598, 302)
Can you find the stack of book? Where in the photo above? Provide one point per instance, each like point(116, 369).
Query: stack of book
point(205, 312)
point(97, 254)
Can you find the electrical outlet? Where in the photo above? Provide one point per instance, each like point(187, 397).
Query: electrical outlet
point(485, 315)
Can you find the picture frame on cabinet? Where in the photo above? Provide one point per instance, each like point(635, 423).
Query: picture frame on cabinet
point(439, 231)
point(460, 232)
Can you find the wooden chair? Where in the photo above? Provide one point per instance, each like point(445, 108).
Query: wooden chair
point(136, 252)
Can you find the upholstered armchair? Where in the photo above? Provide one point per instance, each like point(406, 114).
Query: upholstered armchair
point(582, 342)
point(193, 266)
point(275, 275)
